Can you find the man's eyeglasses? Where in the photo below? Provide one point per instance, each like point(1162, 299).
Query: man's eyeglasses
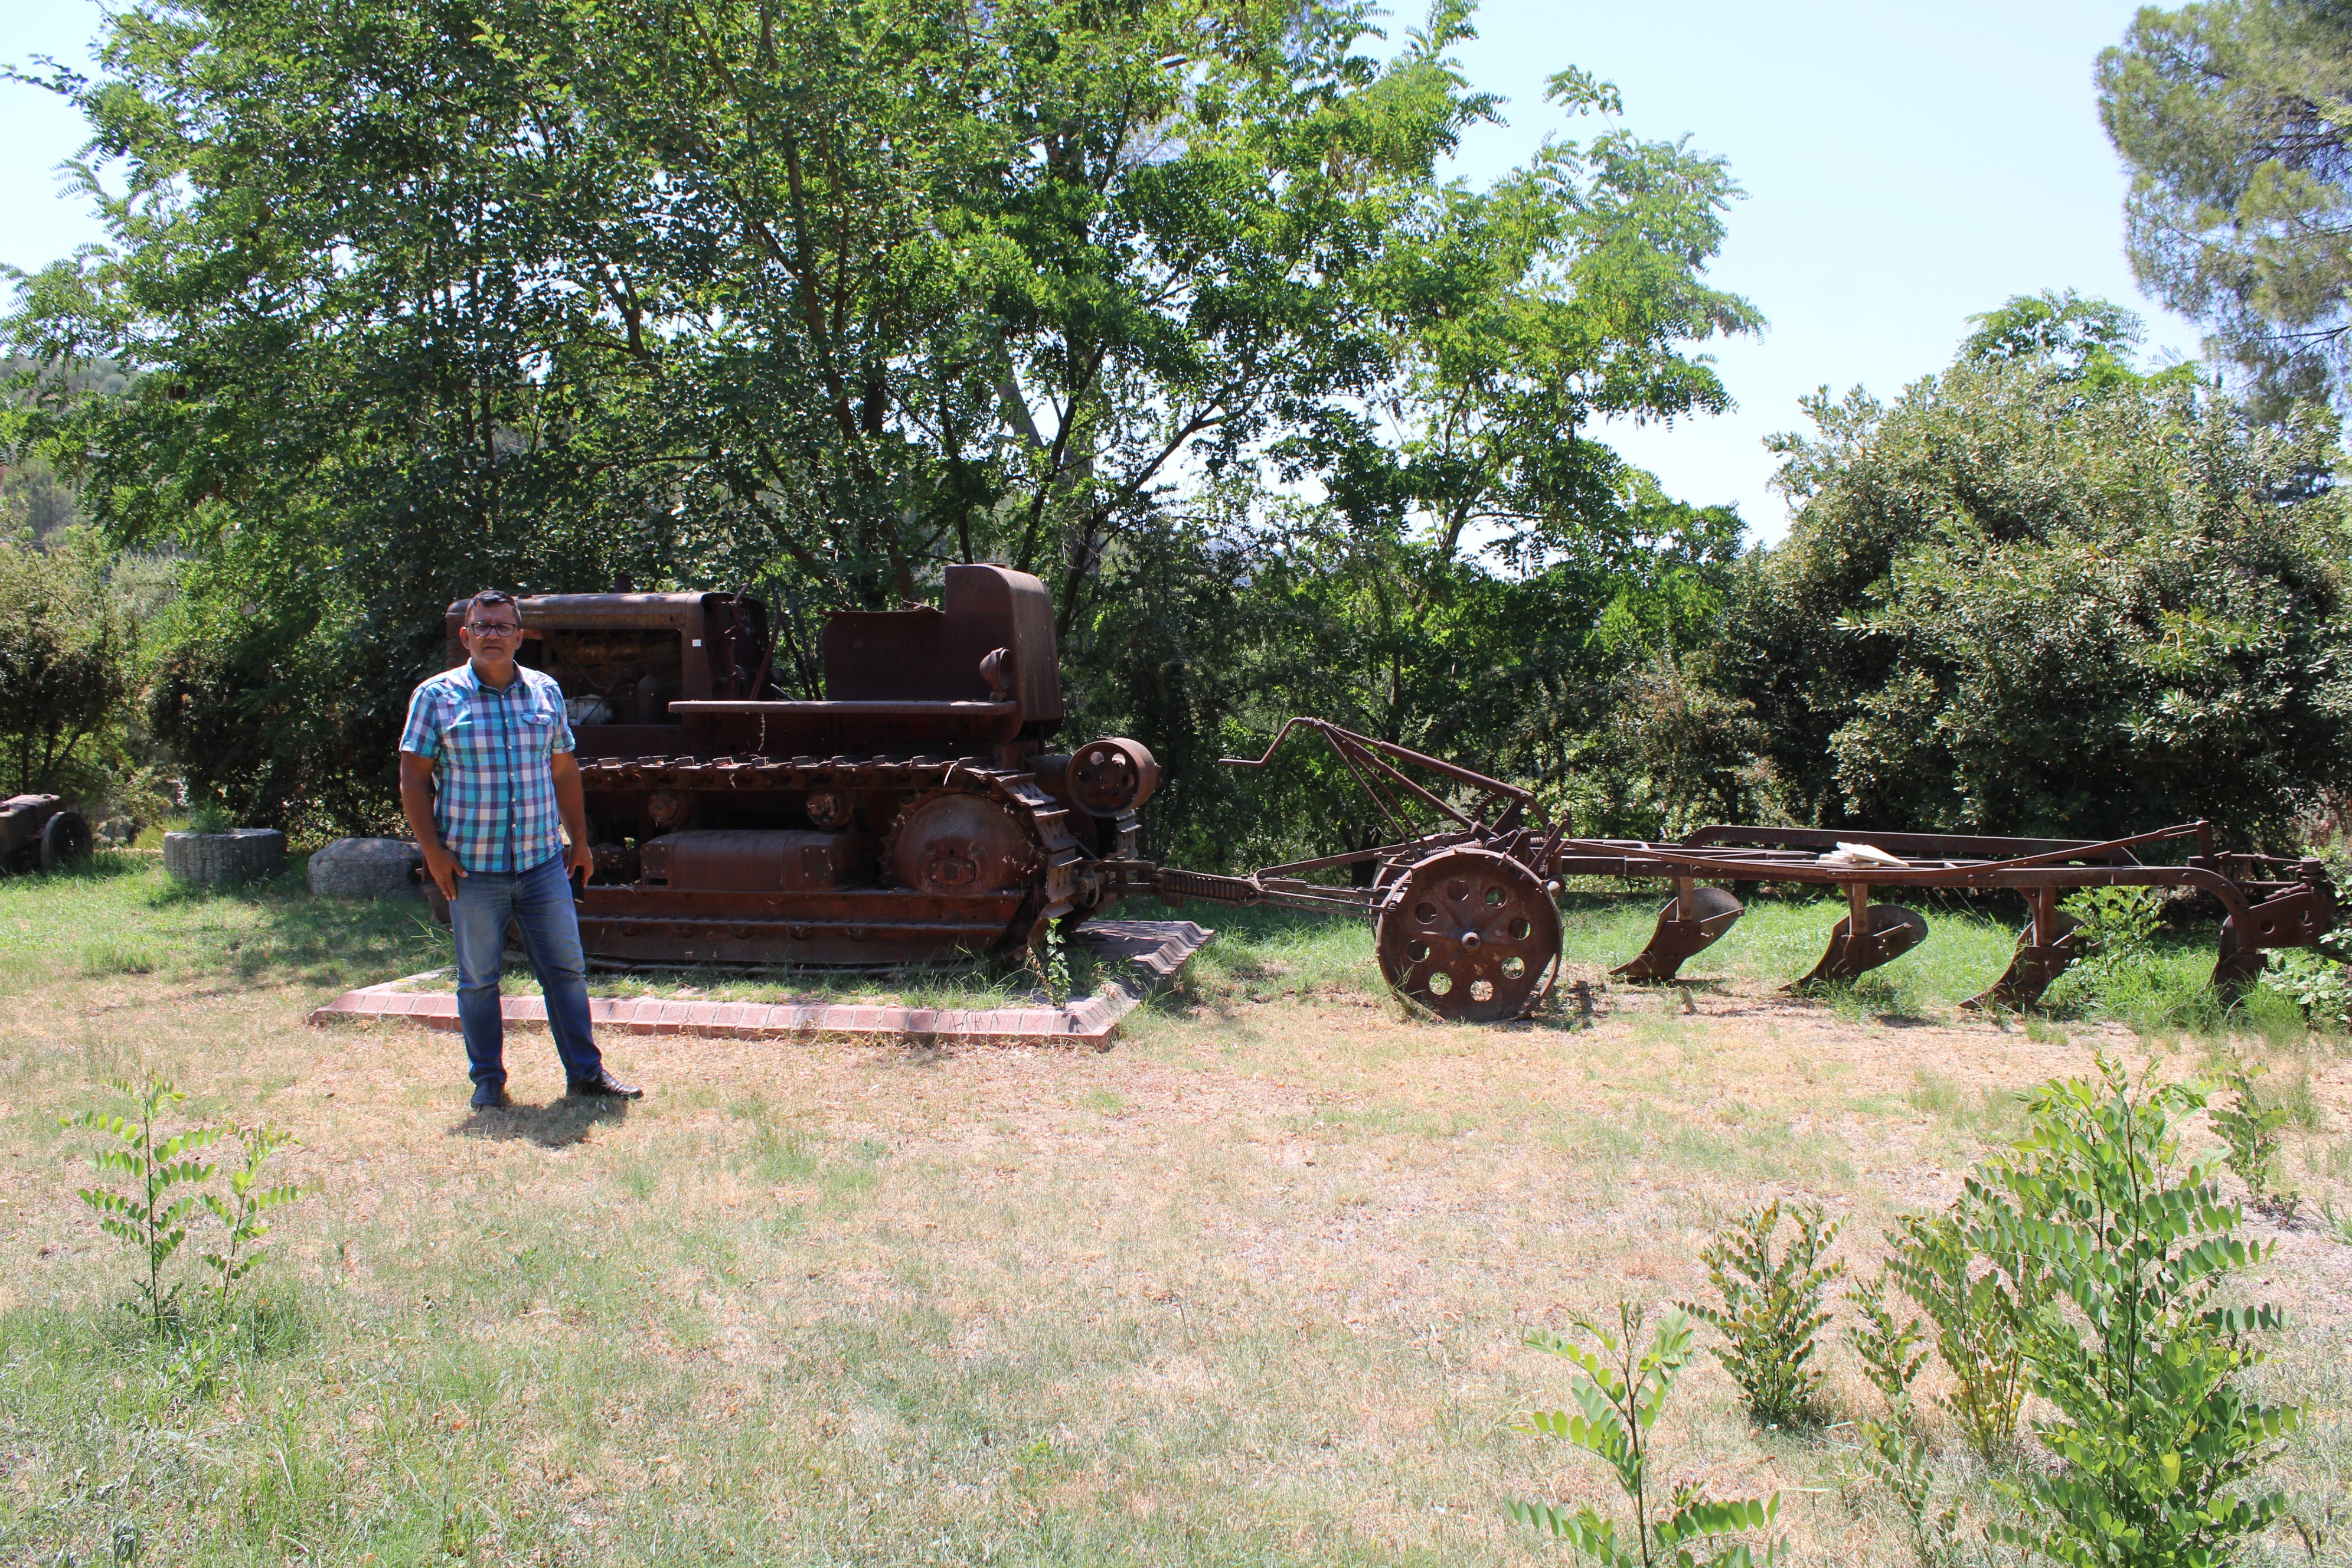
point(494, 628)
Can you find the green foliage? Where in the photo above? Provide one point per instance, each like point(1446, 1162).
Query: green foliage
point(1892, 1353)
point(1978, 1313)
point(1049, 960)
point(2119, 924)
point(2252, 1133)
point(1772, 1310)
point(2229, 116)
point(68, 651)
point(1898, 1460)
point(815, 299)
point(1619, 1391)
point(2115, 940)
point(162, 1173)
point(2042, 593)
point(242, 1211)
point(2315, 982)
point(169, 1187)
point(2157, 1440)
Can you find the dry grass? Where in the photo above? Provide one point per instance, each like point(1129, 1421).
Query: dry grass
point(1248, 1288)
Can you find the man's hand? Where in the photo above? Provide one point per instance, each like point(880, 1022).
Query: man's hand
point(563, 767)
point(442, 867)
point(416, 801)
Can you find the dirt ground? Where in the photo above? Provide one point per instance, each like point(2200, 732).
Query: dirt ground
point(1252, 1286)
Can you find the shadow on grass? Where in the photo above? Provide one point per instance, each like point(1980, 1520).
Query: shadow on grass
point(121, 914)
point(99, 866)
point(554, 1125)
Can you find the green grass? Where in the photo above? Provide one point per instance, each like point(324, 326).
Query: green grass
point(118, 914)
point(1248, 1289)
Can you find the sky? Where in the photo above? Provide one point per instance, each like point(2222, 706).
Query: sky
point(1906, 166)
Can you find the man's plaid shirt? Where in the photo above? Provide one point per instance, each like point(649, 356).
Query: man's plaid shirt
point(494, 794)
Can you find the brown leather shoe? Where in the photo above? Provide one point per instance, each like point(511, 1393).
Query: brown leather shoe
point(603, 1086)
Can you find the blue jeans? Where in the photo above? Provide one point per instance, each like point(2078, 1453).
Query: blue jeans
point(539, 901)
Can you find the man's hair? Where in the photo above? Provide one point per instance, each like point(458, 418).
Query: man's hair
point(491, 596)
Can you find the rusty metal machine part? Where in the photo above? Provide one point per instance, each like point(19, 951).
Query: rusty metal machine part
point(902, 817)
point(1114, 774)
point(39, 831)
point(2044, 949)
point(1467, 933)
point(2268, 902)
point(752, 860)
point(1871, 934)
point(1693, 919)
point(956, 842)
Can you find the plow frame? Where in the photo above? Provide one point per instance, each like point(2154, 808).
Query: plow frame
point(2267, 901)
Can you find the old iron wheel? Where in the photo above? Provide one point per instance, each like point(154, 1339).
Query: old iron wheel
point(1467, 933)
point(65, 838)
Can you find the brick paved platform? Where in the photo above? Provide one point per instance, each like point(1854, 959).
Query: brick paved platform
point(1152, 952)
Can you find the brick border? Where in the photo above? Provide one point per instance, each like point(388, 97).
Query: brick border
point(1154, 950)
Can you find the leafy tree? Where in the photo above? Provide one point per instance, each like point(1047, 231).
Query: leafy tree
point(770, 293)
point(68, 654)
point(2042, 593)
point(2233, 117)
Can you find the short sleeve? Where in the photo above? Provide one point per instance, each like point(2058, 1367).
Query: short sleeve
point(421, 734)
point(563, 740)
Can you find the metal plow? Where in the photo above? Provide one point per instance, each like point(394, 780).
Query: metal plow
point(1466, 924)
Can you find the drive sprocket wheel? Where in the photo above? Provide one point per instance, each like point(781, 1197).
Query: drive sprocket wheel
point(957, 841)
point(1467, 933)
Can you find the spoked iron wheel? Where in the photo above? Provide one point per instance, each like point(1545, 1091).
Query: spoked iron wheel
point(1467, 933)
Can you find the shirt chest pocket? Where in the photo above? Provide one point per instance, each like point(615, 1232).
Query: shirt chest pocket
point(535, 732)
point(485, 738)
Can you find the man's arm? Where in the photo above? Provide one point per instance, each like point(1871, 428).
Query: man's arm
point(416, 801)
point(573, 809)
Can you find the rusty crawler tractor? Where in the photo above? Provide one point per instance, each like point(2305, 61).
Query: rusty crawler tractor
point(1466, 924)
point(915, 812)
point(37, 830)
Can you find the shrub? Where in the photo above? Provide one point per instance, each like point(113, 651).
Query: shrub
point(1892, 1355)
point(68, 650)
point(169, 1186)
point(1771, 1310)
point(153, 1219)
point(2251, 1131)
point(1976, 1313)
point(2119, 926)
point(2315, 982)
point(2156, 1438)
point(1620, 1393)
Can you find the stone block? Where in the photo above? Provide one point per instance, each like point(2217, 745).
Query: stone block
point(366, 869)
point(224, 860)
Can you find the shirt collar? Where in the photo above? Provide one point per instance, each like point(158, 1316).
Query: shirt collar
point(474, 682)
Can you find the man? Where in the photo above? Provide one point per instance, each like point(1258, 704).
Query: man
point(497, 736)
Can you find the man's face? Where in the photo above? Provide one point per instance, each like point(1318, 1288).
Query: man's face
point(491, 633)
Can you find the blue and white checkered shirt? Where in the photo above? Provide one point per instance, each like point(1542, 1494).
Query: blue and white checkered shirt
point(494, 793)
